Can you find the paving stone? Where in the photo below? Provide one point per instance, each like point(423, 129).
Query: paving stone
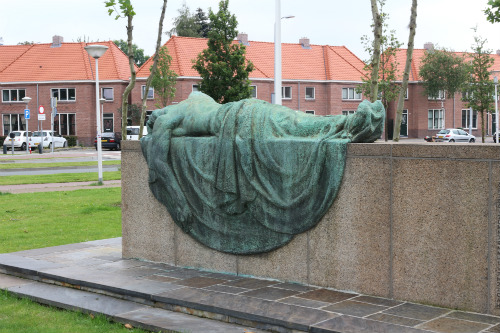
point(160, 278)
point(480, 318)
point(155, 319)
point(24, 264)
point(222, 276)
point(53, 249)
point(308, 303)
point(198, 282)
point(416, 311)
point(395, 319)
point(494, 329)
point(122, 264)
point(226, 289)
point(295, 286)
point(452, 325)
point(326, 295)
point(181, 273)
point(353, 308)
point(270, 293)
point(7, 281)
point(377, 301)
point(347, 324)
point(250, 283)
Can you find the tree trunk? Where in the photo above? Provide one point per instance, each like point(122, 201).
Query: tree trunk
point(377, 36)
point(153, 68)
point(406, 74)
point(131, 84)
point(483, 132)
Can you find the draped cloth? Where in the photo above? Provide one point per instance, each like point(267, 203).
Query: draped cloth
point(246, 177)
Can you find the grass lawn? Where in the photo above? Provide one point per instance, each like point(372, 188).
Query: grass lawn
point(27, 165)
point(35, 220)
point(59, 178)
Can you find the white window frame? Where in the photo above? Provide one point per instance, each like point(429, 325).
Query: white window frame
point(151, 92)
point(195, 87)
point(21, 122)
point(350, 94)
point(439, 119)
point(347, 112)
point(313, 93)
point(112, 94)
point(467, 119)
point(67, 116)
point(20, 100)
point(310, 112)
point(284, 94)
point(441, 96)
point(254, 91)
point(407, 93)
point(105, 116)
point(59, 94)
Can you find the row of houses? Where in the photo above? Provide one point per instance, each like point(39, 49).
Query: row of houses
point(317, 79)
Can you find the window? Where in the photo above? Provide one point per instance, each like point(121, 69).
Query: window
point(310, 111)
point(466, 118)
point(151, 92)
point(63, 94)
point(65, 124)
point(107, 94)
point(286, 92)
point(107, 122)
point(310, 93)
point(13, 95)
point(254, 91)
point(346, 113)
point(441, 95)
point(350, 93)
point(406, 93)
point(196, 87)
point(13, 122)
point(435, 119)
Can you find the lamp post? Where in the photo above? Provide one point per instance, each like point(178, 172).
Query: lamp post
point(96, 51)
point(102, 100)
point(26, 100)
point(496, 109)
point(277, 52)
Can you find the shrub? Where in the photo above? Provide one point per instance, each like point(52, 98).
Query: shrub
point(2, 138)
point(71, 140)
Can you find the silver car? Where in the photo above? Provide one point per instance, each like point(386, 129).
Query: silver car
point(454, 135)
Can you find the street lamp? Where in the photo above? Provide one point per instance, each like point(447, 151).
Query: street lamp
point(277, 52)
point(496, 109)
point(26, 100)
point(96, 51)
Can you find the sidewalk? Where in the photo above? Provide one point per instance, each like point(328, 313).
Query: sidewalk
point(31, 188)
point(92, 277)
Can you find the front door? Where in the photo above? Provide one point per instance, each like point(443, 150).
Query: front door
point(404, 124)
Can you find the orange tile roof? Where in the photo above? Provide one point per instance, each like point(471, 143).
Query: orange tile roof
point(320, 62)
point(69, 62)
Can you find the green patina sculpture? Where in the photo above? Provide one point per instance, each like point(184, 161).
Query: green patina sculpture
point(246, 177)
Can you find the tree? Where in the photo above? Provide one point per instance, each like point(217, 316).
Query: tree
point(406, 74)
point(127, 10)
point(378, 20)
point(185, 24)
point(481, 89)
point(139, 56)
point(383, 81)
point(201, 20)
point(164, 79)
point(493, 13)
point(222, 66)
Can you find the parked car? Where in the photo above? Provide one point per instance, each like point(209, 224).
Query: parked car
point(19, 140)
point(454, 135)
point(133, 132)
point(47, 138)
point(110, 140)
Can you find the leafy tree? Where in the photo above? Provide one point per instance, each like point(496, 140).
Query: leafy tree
point(127, 10)
point(481, 89)
point(383, 81)
point(201, 21)
point(493, 13)
point(164, 79)
point(185, 24)
point(222, 66)
point(406, 74)
point(139, 56)
point(378, 21)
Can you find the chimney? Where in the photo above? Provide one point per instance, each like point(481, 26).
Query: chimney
point(243, 39)
point(57, 41)
point(498, 51)
point(429, 46)
point(1, 40)
point(304, 41)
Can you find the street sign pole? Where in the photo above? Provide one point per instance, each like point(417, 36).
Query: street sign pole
point(27, 117)
point(41, 117)
point(53, 104)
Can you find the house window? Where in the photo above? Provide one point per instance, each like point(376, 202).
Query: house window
point(65, 124)
point(310, 93)
point(406, 93)
point(254, 91)
point(13, 122)
point(151, 92)
point(107, 122)
point(346, 113)
point(107, 94)
point(63, 94)
point(350, 93)
point(13, 95)
point(466, 118)
point(310, 111)
point(435, 119)
point(196, 87)
point(441, 95)
point(286, 92)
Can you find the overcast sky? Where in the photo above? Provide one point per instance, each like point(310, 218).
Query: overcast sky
point(446, 23)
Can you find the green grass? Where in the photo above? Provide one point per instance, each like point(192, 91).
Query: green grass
point(36, 220)
point(59, 178)
point(20, 165)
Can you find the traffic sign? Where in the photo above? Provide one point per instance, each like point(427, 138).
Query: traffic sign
point(41, 116)
point(26, 113)
point(41, 109)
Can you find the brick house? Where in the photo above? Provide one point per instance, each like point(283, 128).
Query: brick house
point(66, 71)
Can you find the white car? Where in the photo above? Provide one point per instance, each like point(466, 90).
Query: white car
point(133, 132)
point(454, 135)
point(47, 137)
point(19, 140)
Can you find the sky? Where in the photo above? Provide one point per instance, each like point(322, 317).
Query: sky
point(446, 23)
